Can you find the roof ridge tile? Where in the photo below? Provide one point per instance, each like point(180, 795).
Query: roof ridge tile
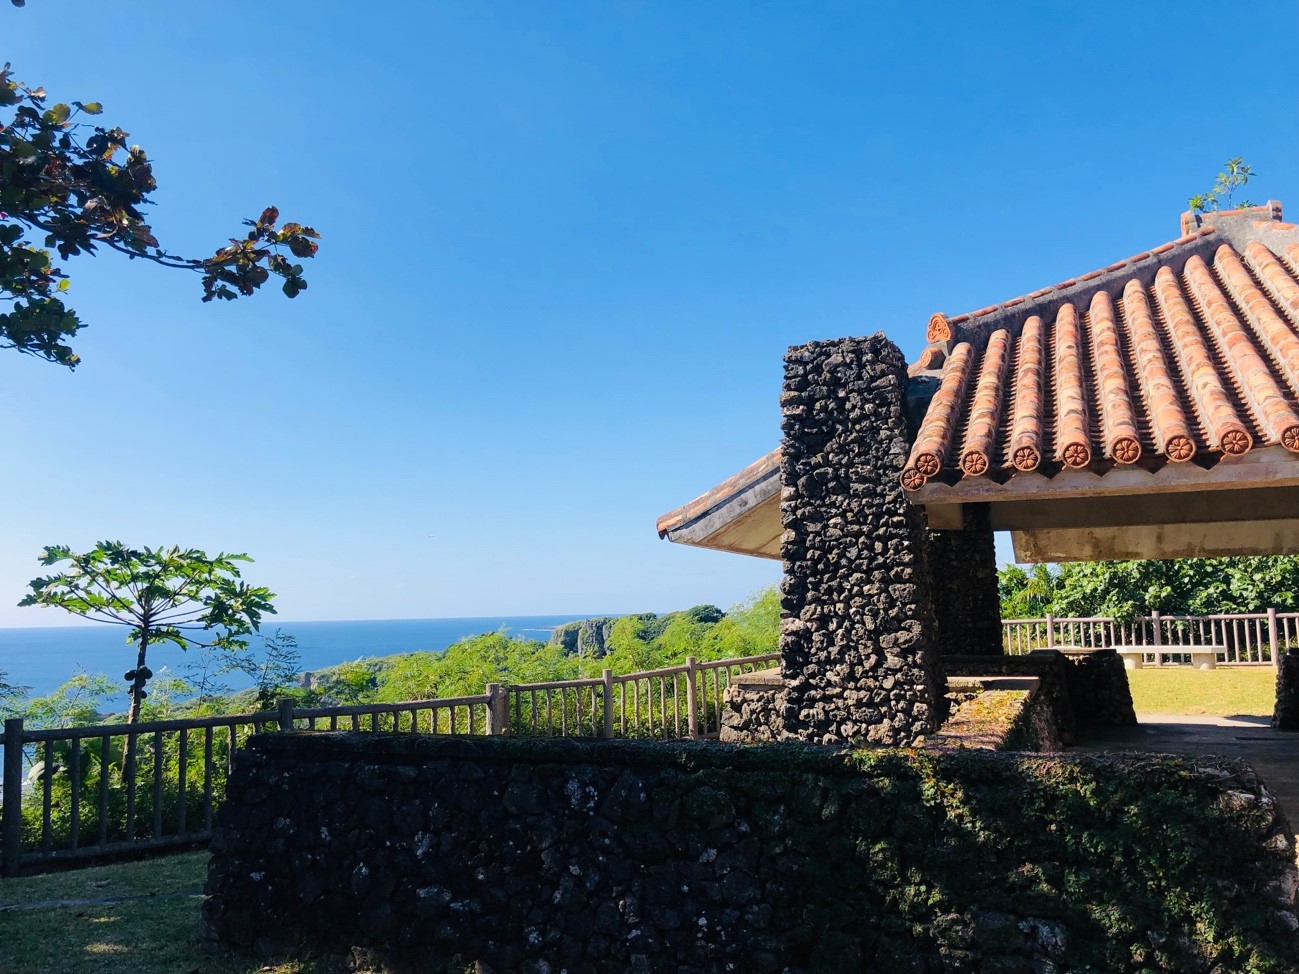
point(948, 321)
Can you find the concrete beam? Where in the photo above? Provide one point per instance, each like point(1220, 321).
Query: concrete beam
point(1151, 507)
point(1211, 539)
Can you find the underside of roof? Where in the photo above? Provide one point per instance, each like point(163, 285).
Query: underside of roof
point(741, 514)
point(1147, 409)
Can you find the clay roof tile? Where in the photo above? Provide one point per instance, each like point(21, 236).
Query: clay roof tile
point(1131, 363)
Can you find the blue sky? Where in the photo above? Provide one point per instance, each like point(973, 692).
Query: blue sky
point(565, 247)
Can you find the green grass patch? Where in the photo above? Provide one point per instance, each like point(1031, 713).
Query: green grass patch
point(1223, 691)
point(152, 935)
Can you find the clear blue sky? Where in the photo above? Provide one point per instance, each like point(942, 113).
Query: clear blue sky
point(565, 247)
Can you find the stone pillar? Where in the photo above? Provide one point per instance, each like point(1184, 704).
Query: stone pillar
point(1285, 714)
point(857, 652)
point(962, 568)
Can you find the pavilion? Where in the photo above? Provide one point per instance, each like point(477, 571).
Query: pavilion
point(1147, 409)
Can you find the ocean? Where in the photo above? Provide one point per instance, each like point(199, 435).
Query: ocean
point(43, 658)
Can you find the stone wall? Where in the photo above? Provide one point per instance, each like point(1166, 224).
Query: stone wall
point(541, 856)
point(752, 708)
point(1087, 688)
point(1050, 668)
point(1098, 688)
point(962, 569)
point(857, 651)
point(1081, 689)
point(998, 714)
point(1285, 715)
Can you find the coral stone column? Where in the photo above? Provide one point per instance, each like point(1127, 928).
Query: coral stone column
point(962, 568)
point(858, 657)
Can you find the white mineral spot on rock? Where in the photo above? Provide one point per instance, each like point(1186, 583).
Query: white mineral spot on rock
point(708, 855)
point(579, 797)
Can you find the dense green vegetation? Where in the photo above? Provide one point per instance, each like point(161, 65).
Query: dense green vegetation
point(633, 643)
point(1124, 589)
point(636, 642)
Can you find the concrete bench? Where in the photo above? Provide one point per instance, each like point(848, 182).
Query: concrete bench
point(1202, 657)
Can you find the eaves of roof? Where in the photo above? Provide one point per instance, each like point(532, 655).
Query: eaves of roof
point(1188, 352)
point(763, 471)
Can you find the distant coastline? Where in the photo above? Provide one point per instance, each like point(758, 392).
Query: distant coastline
point(42, 658)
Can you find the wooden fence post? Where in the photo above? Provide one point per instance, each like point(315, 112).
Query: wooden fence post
point(1273, 639)
point(498, 710)
point(285, 705)
point(11, 830)
point(607, 676)
point(1050, 631)
point(692, 702)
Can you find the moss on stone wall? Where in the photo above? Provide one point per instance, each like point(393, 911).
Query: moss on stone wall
point(999, 720)
point(621, 856)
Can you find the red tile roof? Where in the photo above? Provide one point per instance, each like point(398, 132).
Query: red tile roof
point(1188, 351)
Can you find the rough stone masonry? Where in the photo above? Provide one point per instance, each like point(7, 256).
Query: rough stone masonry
point(858, 657)
point(537, 855)
point(962, 570)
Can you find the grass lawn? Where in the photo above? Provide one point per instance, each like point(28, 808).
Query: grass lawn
point(1223, 691)
point(152, 935)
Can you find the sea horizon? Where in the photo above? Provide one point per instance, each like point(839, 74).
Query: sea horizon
point(42, 657)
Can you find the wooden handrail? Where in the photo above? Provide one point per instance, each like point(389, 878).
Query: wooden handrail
point(402, 706)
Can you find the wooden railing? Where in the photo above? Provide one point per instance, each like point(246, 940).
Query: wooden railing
point(1240, 639)
point(83, 801)
point(673, 702)
point(70, 794)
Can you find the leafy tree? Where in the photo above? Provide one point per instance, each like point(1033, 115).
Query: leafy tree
point(168, 595)
point(682, 637)
point(1026, 594)
point(203, 673)
point(276, 672)
point(168, 699)
point(1236, 175)
point(632, 643)
point(348, 684)
point(75, 702)
point(10, 695)
point(79, 187)
point(759, 619)
point(1124, 589)
point(467, 666)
